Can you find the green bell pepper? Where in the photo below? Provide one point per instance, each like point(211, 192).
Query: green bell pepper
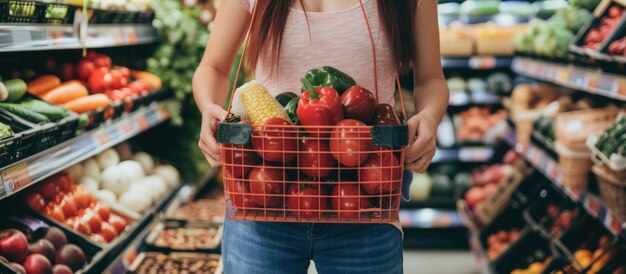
point(285, 98)
point(291, 109)
point(329, 77)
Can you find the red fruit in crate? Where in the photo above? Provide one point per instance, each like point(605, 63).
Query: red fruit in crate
point(118, 223)
point(474, 195)
point(385, 115)
point(83, 197)
point(48, 189)
point(350, 142)
point(55, 213)
point(101, 60)
point(63, 181)
point(97, 238)
point(315, 159)
point(67, 71)
point(490, 189)
point(72, 256)
point(35, 201)
point(103, 211)
point(37, 263)
point(593, 36)
point(93, 220)
point(43, 247)
point(18, 268)
point(119, 81)
point(381, 173)
point(347, 198)
point(307, 201)
point(56, 237)
point(68, 207)
point(61, 269)
point(13, 245)
point(510, 157)
point(124, 70)
point(100, 80)
point(267, 183)
point(79, 225)
point(139, 86)
point(239, 160)
point(604, 32)
point(615, 12)
point(359, 104)
point(275, 140)
point(84, 69)
point(108, 232)
point(240, 192)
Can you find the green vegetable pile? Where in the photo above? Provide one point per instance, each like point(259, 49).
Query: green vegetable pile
point(613, 139)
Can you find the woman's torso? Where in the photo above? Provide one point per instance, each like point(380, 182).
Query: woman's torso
point(339, 39)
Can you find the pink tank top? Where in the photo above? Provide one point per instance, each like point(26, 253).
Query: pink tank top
point(338, 39)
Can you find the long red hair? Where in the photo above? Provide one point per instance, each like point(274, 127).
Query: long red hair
point(271, 16)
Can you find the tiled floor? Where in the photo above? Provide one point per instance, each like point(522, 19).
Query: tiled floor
point(434, 262)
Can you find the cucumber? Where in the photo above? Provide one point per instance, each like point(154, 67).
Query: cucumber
point(54, 113)
point(5, 131)
point(25, 113)
point(611, 147)
point(16, 89)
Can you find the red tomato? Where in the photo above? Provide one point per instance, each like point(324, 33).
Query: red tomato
point(358, 103)
point(68, 207)
point(108, 232)
point(55, 213)
point(64, 181)
point(240, 192)
point(67, 71)
point(275, 140)
point(83, 198)
point(97, 238)
point(79, 225)
point(103, 211)
point(266, 183)
point(239, 160)
point(125, 71)
point(139, 86)
point(380, 173)
point(35, 201)
point(308, 201)
point(385, 115)
point(615, 12)
point(101, 60)
point(117, 222)
point(345, 198)
point(84, 68)
point(351, 142)
point(314, 159)
point(115, 95)
point(119, 81)
point(48, 189)
point(93, 220)
point(100, 80)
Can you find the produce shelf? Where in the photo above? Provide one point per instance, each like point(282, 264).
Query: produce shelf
point(31, 170)
point(21, 37)
point(477, 62)
point(470, 154)
point(594, 81)
point(465, 99)
point(429, 218)
point(550, 168)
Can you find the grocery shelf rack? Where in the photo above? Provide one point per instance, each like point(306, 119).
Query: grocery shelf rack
point(31, 170)
point(590, 80)
point(465, 154)
point(20, 37)
point(477, 62)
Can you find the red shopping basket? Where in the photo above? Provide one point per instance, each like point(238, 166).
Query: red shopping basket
point(345, 173)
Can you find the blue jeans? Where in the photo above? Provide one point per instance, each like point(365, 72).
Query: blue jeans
point(263, 247)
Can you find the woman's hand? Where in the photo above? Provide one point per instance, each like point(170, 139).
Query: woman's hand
point(210, 148)
point(422, 136)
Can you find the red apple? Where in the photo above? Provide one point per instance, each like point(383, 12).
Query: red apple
point(37, 263)
point(13, 245)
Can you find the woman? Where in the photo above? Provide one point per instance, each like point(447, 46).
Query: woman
point(289, 37)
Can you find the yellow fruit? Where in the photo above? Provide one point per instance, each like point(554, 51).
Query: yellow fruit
point(536, 268)
point(597, 253)
point(584, 261)
point(582, 254)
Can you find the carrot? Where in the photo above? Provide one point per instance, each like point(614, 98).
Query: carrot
point(65, 93)
point(88, 103)
point(153, 80)
point(43, 84)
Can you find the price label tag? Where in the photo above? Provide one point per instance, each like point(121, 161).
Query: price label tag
point(577, 78)
point(621, 87)
point(475, 154)
point(142, 123)
point(16, 178)
point(563, 75)
point(118, 39)
point(101, 137)
point(482, 62)
point(458, 98)
point(126, 128)
point(607, 84)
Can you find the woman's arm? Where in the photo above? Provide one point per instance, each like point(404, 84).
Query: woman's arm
point(211, 79)
point(430, 93)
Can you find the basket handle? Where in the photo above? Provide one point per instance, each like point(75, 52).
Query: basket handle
point(371, 36)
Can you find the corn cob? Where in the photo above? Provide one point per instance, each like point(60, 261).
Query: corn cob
point(259, 103)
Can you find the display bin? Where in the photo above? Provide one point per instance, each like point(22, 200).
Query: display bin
point(36, 228)
point(20, 11)
point(601, 12)
point(571, 129)
point(19, 146)
point(524, 123)
point(360, 169)
point(575, 167)
point(54, 133)
point(145, 17)
point(154, 262)
point(99, 16)
point(529, 248)
point(57, 14)
point(619, 33)
point(614, 165)
point(164, 238)
point(588, 234)
point(612, 191)
point(552, 213)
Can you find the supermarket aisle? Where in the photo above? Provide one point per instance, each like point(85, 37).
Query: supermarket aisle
point(434, 262)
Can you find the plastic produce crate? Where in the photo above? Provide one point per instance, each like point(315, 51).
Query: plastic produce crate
point(358, 170)
point(20, 145)
point(20, 11)
point(153, 262)
point(552, 213)
point(181, 235)
point(57, 13)
point(599, 14)
point(54, 133)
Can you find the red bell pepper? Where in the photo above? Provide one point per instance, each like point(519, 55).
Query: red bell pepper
point(319, 106)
